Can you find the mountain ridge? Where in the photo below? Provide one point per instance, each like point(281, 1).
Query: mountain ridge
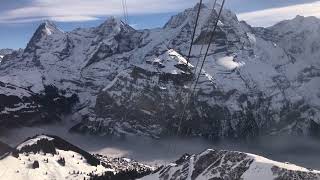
point(255, 81)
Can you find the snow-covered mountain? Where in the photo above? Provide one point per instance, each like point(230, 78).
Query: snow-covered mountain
point(222, 165)
point(50, 157)
point(116, 80)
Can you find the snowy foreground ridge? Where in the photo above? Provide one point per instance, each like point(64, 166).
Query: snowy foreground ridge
point(230, 165)
point(50, 157)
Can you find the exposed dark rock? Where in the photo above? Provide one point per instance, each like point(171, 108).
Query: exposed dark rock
point(35, 165)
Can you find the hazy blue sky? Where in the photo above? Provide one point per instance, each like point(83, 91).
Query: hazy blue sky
point(20, 18)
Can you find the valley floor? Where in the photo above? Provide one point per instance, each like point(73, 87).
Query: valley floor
point(163, 151)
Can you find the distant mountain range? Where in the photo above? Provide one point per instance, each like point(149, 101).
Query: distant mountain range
point(114, 79)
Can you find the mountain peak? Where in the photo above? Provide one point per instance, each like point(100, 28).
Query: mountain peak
point(203, 5)
point(300, 23)
point(300, 18)
point(207, 16)
point(50, 27)
point(113, 25)
point(181, 18)
point(47, 28)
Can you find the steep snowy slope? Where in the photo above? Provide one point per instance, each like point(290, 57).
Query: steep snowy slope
point(219, 165)
point(49, 157)
point(243, 92)
point(299, 39)
point(136, 81)
point(303, 45)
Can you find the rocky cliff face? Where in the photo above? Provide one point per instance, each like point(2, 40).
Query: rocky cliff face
point(22, 107)
point(221, 165)
point(256, 81)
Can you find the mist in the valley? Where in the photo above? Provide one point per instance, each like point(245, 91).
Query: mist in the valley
point(303, 151)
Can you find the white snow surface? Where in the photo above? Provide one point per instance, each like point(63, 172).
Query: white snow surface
point(75, 167)
point(21, 168)
point(261, 168)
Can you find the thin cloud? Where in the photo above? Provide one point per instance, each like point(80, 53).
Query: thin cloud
point(52, 18)
point(269, 17)
point(83, 10)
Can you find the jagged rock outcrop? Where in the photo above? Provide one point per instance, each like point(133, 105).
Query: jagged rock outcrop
point(5, 52)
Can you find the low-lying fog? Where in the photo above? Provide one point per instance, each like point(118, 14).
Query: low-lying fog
point(300, 151)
